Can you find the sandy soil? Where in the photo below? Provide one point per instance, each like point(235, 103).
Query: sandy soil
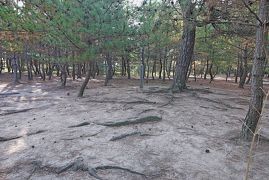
point(49, 133)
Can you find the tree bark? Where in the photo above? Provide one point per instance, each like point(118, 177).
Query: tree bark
point(245, 67)
point(84, 84)
point(109, 67)
point(186, 47)
point(128, 68)
point(63, 75)
point(256, 101)
point(14, 64)
point(207, 67)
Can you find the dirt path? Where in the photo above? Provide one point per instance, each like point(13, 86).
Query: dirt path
point(49, 133)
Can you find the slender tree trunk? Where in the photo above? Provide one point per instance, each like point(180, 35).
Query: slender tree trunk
point(128, 68)
point(194, 70)
point(147, 62)
point(186, 47)
point(249, 78)
point(164, 63)
point(109, 66)
point(153, 69)
point(14, 64)
point(238, 68)
point(84, 84)
point(8, 63)
point(63, 75)
point(256, 101)
point(20, 66)
point(211, 72)
point(245, 67)
point(161, 65)
point(123, 66)
point(74, 71)
point(189, 71)
point(207, 67)
point(79, 71)
point(169, 69)
point(142, 67)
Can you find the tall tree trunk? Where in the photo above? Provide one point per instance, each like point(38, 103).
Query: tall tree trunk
point(249, 78)
point(79, 71)
point(211, 72)
point(161, 65)
point(245, 67)
point(84, 84)
point(109, 73)
point(207, 67)
point(147, 62)
point(153, 69)
point(123, 66)
point(74, 71)
point(63, 75)
point(186, 47)
point(164, 63)
point(238, 68)
point(14, 64)
point(256, 101)
point(189, 71)
point(142, 67)
point(128, 68)
point(194, 70)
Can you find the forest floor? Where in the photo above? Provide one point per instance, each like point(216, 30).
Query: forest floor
point(119, 132)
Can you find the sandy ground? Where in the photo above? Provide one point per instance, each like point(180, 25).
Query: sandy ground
point(48, 133)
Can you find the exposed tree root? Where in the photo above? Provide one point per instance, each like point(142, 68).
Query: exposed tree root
point(217, 102)
point(81, 124)
point(120, 168)
point(171, 99)
point(123, 102)
point(3, 139)
point(132, 121)
point(90, 135)
point(8, 93)
point(15, 111)
point(79, 164)
point(122, 136)
point(37, 132)
point(157, 90)
point(204, 91)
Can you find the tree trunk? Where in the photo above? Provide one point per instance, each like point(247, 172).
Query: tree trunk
point(74, 71)
point(249, 78)
point(164, 63)
point(123, 66)
point(84, 84)
point(256, 101)
point(153, 69)
point(14, 64)
point(245, 67)
point(238, 68)
point(211, 72)
point(109, 73)
point(147, 62)
point(79, 71)
point(189, 71)
point(128, 68)
point(63, 75)
point(194, 70)
point(161, 65)
point(207, 67)
point(142, 67)
point(186, 47)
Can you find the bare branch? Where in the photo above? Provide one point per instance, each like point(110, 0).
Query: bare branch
point(252, 12)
